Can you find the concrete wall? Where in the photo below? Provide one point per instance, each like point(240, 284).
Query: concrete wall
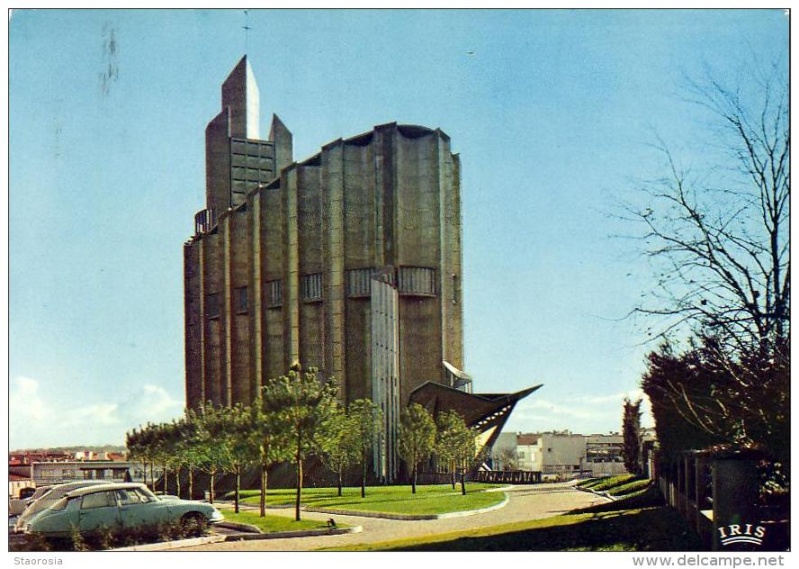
point(561, 452)
point(387, 197)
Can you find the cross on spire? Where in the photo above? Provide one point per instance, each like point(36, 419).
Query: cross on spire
point(246, 27)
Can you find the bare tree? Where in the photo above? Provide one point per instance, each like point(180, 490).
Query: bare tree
point(718, 236)
point(507, 458)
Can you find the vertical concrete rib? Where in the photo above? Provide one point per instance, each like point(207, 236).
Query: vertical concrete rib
point(291, 268)
point(380, 200)
point(456, 256)
point(333, 219)
point(256, 312)
point(201, 323)
point(450, 253)
point(227, 313)
point(193, 310)
point(443, 272)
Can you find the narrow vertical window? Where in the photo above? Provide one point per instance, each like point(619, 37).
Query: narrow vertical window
point(274, 293)
point(212, 305)
point(240, 300)
point(312, 287)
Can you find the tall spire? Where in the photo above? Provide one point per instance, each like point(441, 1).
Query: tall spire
point(241, 95)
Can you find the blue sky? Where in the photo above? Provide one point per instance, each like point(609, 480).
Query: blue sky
point(552, 111)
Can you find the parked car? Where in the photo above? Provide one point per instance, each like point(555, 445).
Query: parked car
point(17, 505)
point(123, 505)
point(50, 497)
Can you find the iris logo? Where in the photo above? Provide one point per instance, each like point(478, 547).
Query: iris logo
point(742, 533)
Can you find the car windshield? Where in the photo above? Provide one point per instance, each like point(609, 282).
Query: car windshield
point(148, 495)
point(40, 505)
point(41, 491)
point(60, 504)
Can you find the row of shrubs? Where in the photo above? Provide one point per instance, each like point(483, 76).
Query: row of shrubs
point(113, 538)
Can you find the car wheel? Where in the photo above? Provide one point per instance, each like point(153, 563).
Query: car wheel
point(193, 524)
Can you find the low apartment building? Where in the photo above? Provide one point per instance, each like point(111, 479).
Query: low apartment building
point(560, 454)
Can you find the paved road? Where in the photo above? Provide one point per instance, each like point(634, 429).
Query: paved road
point(526, 503)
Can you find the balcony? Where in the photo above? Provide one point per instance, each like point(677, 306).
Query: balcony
point(204, 221)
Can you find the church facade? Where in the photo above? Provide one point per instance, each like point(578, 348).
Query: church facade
point(348, 261)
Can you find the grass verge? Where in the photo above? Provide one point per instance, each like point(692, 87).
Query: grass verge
point(428, 500)
point(271, 524)
point(622, 485)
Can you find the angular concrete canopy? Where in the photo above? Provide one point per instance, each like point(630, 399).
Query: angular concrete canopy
point(487, 412)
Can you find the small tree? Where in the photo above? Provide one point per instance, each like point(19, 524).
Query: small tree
point(141, 446)
point(417, 438)
point(366, 420)
point(341, 448)
point(269, 441)
point(189, 452)
point(234, 450)
point(631, 433)
point(171, 457)
point(210, 443)
point(449, 425)
point(302, 405)
point(507, 458)
point(163, 447)
point(464, 441)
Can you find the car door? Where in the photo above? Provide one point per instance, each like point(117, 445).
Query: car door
point(136, 508)
point(98, 510)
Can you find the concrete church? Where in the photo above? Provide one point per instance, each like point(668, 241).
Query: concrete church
point(349, 261)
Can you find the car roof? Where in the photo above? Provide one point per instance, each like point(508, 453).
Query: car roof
point(105, 488)
point(60, 489)
point(78, 484)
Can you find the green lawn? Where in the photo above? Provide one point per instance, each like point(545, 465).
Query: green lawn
point(429, 499)
point(637, 522)
point(622, 485)
point(269, 524)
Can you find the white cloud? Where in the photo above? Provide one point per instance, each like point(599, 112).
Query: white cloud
point(589, 414)
point(35, 421)
point(98, 414)
point(152, 404)
point(24, 401)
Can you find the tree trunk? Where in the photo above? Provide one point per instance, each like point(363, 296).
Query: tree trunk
point(452, 472)
point(264, 480)
point(238, 487)
point(340, 481)
point(166, 485)
point(463, 482)
point(177, 481)
point(211, 487)
point(413, 480)
point(299, 490)
point(363, 477)
point(191, 483)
